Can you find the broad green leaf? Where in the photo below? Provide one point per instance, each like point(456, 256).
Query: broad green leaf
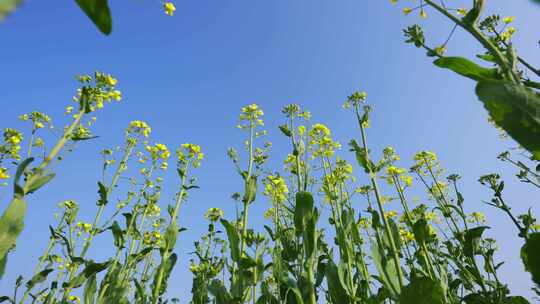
point(90, 287)
point(466, 68)
point(39, 277)
point(11, 225)
point(422, 290)
point(303, 210)
point(514, 108)
point(7, 7)
point(531, 257)
point(336, 289)
point(472, 240)
point(386, 269)
point(168, 266)
point(98, 11)
point(234, 239)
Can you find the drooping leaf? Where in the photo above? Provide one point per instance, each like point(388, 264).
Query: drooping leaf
point(422, 290)
point(98, 11)
point(514, 108)
point(91, 269)
point(466, 68)
point(39, 182)
point(472, 240)
point(11, 225)
point(38, 278)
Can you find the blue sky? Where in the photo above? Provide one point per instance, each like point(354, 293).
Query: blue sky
point(189, 75)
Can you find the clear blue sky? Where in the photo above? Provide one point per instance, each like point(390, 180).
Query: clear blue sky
point(188, 76)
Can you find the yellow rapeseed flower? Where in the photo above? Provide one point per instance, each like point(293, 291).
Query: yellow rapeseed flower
point(509, 19)
point(4, 173)
point(169, 8)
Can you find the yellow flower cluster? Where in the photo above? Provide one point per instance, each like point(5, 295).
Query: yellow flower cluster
point(12, 143)
point(406, 235)
point(507, 35)
point(84, 227)
point(190, 152)
point(214, 214)
point(103, 90)
point(153, 210)
point(169, 8)
point(398, 173)
point(152, 238)
point(477, 217)
point(38, 119)
point(425, 159)
point(139, 127)
point(321, 141)
point(276, 188)
point(252, 114)
point(158, 151)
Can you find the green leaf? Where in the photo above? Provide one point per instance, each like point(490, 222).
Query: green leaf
point(466, 68)
point(168, 266)
point(90, 270)
point(530, 256)
point(41, 181)
point(285, 130)
point(303, 210)
point(118, 235)
point(103, 193)
point(98, 11)
point(250, 192)
point(386, 269)
point(11, 225)
point(39, 277)
point(514, 108)
point(218, 290)
point(7, 7)
point(421, 231)
point(515, 300)
point(472, 240)
point(336, 289)
point(90, 290)
point(234, 239)
point(422, 290)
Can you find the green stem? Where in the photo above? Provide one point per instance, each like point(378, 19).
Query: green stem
point(375, 185)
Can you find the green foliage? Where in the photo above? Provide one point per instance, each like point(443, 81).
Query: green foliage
point(11, 225)
point(422, 290)
point(466, 68)
point(530, 256)
point(98, 11)
point(516, 109)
